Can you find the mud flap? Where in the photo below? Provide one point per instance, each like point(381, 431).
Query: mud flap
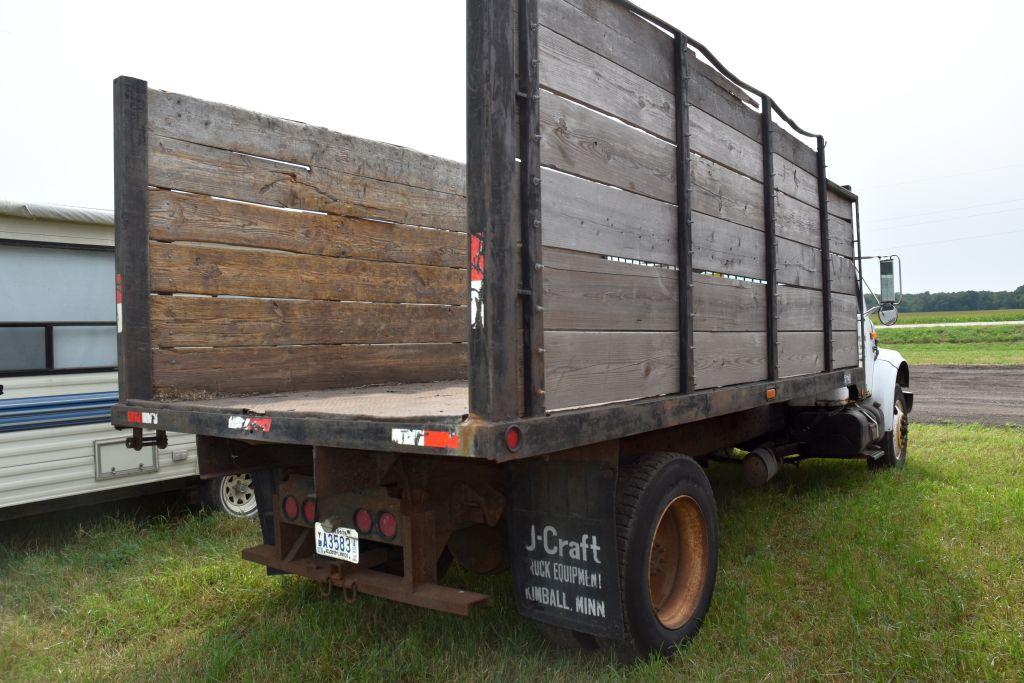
point(265, 483)
point(562, 543)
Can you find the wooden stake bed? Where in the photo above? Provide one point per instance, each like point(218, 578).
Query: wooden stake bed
point(633, 244)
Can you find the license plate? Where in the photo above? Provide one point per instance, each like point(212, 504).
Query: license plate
point(340, 543)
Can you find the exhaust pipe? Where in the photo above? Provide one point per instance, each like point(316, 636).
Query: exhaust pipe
point(760, 466)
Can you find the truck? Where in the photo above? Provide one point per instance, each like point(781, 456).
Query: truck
point(524, 362)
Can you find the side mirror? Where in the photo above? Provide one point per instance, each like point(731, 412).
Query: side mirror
point(887, 270)
point(888, 315)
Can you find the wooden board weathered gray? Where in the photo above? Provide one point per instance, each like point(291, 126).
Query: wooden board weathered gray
point(178, 217)
point(179, 165)
point(726, 305)
point(584, 368)
point(586, 216)
point(201, 373)
point(588, 144)
point(240, 322)
point(588, 292)
point(196, 269)
point(725, 358)
point(212, 124)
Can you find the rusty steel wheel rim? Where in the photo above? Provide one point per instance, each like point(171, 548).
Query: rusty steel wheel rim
point(678, 562)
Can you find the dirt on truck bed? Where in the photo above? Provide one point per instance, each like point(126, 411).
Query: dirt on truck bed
point(988, 394)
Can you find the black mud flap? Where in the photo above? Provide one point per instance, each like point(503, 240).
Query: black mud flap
point(562, 544)
point(265, 483)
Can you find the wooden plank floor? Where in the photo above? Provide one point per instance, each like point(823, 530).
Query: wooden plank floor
point(430, 399)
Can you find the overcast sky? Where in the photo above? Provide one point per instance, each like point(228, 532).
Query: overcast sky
point(920, 101)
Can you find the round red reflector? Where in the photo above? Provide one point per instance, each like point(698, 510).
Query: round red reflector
point(387, 525)
point(309, 510)
point(513, 438)
point(290, 507)
point(363, 521)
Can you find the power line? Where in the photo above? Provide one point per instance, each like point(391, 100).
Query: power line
point(950, 210)
point(944, 220)
point(941, 177)
point(956, 239)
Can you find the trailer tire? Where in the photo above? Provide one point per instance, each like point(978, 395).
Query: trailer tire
point(233, 494)
point(668, 552)
point(894, 443)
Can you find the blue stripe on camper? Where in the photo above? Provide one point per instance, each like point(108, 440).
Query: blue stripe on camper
point(40, 412)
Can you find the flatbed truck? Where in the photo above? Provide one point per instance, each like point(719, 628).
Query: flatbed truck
point(522, 362)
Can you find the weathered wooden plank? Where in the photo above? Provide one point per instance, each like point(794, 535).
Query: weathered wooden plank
point(845, 352)
point(800, 309)
point(197, 269)
point(795, 181)
point(725, 305)
point(586, 216)
point(798, 264)
point(572, 70)
point(844, 312)
point(844, 275)
point(231, 128)
point(178, 165)
point(240, 322)
point(840, 206)
point(174, 216)
point(706, 94)
point(717, 191)
point(583, 142)
point(711, 138)
point(195, 373)
point(723, 247)
point(588, 292)
point(797, 221)
point(840, 236)
point(724, 358)
point(616, 33)
point(583, 368)
point(801, 353)
point(794, 150)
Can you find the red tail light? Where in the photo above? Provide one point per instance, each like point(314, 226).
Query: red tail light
point(513, 438)
point(363, 521)
point(290, 508)
point(309, 510)
point(387, 525)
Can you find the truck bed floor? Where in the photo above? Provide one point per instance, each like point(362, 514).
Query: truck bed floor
point(403, 401)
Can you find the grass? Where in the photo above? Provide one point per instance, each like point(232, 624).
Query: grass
point(996, 345)
point(922, 317)
point(831, 571)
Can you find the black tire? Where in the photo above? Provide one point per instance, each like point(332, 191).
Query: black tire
point(668, 496)
point(894, 443)
point(233, 494)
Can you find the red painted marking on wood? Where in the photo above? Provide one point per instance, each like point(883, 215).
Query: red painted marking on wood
point(135, 416)
point(437, 439)
point(117, 280)
point(476, 258)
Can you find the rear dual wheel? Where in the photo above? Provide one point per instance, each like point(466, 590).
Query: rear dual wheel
point(668, 551)
point(668, 556)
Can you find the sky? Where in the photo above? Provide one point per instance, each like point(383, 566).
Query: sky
point(920, 101)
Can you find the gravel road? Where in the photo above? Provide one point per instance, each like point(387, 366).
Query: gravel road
point(989, 394)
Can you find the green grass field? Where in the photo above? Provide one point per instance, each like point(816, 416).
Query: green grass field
point(922, 317)
point(995, 345)
point(832, 571)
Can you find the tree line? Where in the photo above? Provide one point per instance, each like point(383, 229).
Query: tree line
point(971, 300)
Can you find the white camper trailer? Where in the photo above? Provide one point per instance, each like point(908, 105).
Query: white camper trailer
point(58, 373)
